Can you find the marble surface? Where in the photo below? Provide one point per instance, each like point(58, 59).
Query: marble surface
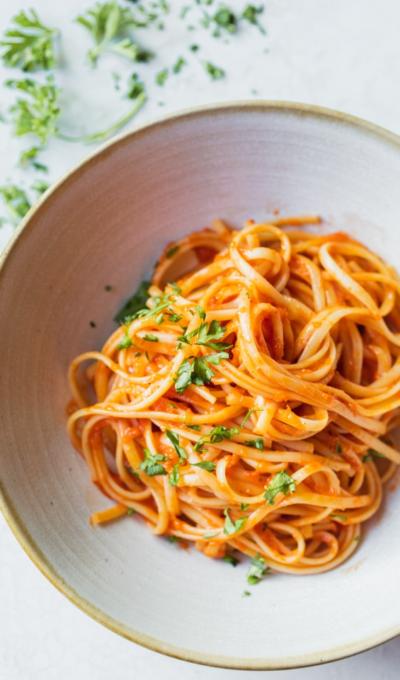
point(344, 55)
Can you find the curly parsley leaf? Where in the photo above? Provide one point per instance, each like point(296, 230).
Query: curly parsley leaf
point(232, 527)
point(257, 570)
point(151, 464)
point(281, 483)
point(29, 157)
point(29, 46)
point(16, 203)
point(174, 439)
point(109, 25)
point(225, 18)
point(39, 112)
point(250, 13)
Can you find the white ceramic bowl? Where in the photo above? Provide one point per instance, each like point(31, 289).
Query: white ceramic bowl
point(105, 223)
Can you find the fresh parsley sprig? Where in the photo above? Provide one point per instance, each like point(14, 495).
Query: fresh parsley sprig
point(232, 527)
point(257, 570)
point(16, 202)
point(151, 463)
point(29, 45)
point(109, 25)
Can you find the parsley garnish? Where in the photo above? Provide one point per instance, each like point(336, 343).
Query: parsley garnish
point(248, 414)
point(126, 341)
point(150, 338)
point(281, 483)
point(339, 448)
point(174, 439)
point(133, 472)
point(135, 303)
point(108, 23)
point(28, 157)
point(172, 539)
point(250, 13)
point(342, 517)
point(370, 454)
point(201, 312)
point(29, 45)
point(38, 114)
point(216, 435)
point(244, 506)
point(175, 288)
point(231, 560)
point(179, 65)
point(257, 570)
point(226, 19)
point(172, 252)
point(255, 443)
point(197, 372)
point(211, 535)
point(130, 511)
point(16, 202)
point(214, 71)
point(39, 186)
point(246, 593)
point(135, 87)
point(232, 527)
point(161, 77)
point(205, 465)
point(174, 475)
point(194, 48)
point(150, 464)
point(194, 427)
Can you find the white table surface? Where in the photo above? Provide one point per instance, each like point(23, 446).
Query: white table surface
point(344, 55)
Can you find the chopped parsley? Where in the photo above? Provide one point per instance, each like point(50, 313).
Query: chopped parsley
point(257, 570)
point(226, 19)
point(231, 560)
point(150, 338)
point(211, 535)
point(16, 202)
point(248, 414)
point(216, 435)
point(370, 454)
point(205, 465)
point(201, 312)
point(161, 77)
point(172, 539)
point(246, 593)
point(151, 464)
point(135, 87)
point(171, 252)
point(135, 303)
point(126, 341)
point(194, 48)
point(194, 427)
point(133, 472)
point(29, 46)
point(342, 517)
point(251, 14)
point(130, 511)
point(174, 439)
point(244, 506)
point(339, 448)
point(232, 527)
point(214, 71)
point(179, 64)
point(174, 475)
point(255, 443)
point(175, 288)
point(281, 483)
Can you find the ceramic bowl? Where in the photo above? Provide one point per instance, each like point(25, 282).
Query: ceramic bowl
point(105, 223)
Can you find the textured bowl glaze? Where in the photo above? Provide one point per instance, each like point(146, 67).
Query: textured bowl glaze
point(105, 223)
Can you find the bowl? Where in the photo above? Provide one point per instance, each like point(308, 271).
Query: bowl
point(104, 224)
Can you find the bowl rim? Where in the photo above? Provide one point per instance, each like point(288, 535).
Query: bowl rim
point(19, 528)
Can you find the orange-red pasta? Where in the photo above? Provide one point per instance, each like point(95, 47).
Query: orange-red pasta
point(249, 406)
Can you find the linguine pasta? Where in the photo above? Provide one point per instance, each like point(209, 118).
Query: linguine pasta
point(248, 406)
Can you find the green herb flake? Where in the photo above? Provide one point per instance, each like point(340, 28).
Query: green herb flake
point(174, 475)
point(171, 252)
point(179, 64)
point(150, 338)
point(201, 312)
point(339, 448)
point(194, 427)
point(161, 77)
point(244, 506)
point(131, 511)
point(205, 465)
point(194, 48)
point(135, 303)
point(251, 13)
point(226, 19)
point(214, 71)
point(341, 517)
point(210, 535)
point(135, 87)
point(281, 483)
point(16, 203)
point(257, 570)
point(246, 593)
point(231, 560)
point(230, 527)
point(132, 472)
point(255, 443)
point(173, 539)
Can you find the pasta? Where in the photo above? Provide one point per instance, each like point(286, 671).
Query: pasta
point(248, 406)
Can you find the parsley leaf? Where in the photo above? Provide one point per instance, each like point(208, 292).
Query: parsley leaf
point(250, 13)
point(174, 475)
point(205, 465)
point(231, 560)
point(38, 114)
point(150, 338)
point(135, 87)
point(339, 448)
point(201, 312)
point(217, 434)
point(244, 506)
point(248, 414)
point(29, 156)
point(232, 527)
point(16, 202)
point(174, 439)
point(214, 332)
point(151, 465)
point(226, 19)
point(371, 453)
point(216, 358)
point(342, 517)
point(194, 427)
point(108, 23)
point(214, 71)
point(178, 65)
point(29, 45)
point(130, 511)
point(161, 77)
point(133, 472)
point(126, 341)
point(255, 443)
point(257, 570)
point(172, 539)
point(39, 186)
point(281, 483)
point(171, 252)
point(135, 303)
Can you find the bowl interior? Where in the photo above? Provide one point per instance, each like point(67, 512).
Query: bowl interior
point(105, 224)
